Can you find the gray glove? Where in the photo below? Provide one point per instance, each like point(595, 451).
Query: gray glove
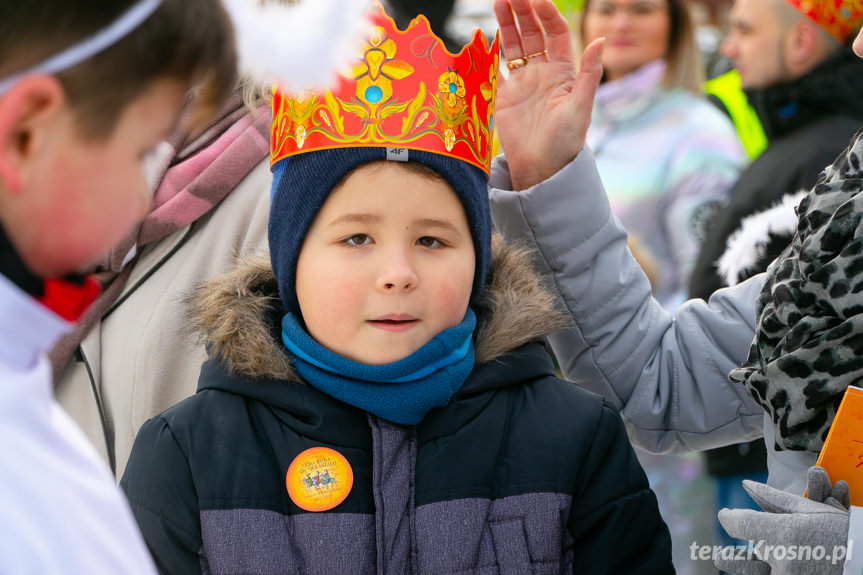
point(818, 489)
point(794, 535)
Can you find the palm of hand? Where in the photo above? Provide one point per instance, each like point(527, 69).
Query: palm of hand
point(539, 111)
point(544, 106)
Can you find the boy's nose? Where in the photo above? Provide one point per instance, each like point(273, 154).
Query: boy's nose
point(398, 274)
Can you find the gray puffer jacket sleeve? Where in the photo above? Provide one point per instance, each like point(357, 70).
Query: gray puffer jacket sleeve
point(666, 374)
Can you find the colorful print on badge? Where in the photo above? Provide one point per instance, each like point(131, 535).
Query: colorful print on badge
point(319, 478)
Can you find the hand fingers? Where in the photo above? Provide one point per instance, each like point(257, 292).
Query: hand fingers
point(532, 39)
point(510, 41)
point(841, 494)
point(746, 524)
point(769, 499)
point(818, 489)
point(817, 484)
point(591, 59)
point(558, 41)
point(588, 78)
point(776, 501)
point(743, 566)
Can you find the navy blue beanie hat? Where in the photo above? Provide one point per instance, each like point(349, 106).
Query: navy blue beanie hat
point(302, 183)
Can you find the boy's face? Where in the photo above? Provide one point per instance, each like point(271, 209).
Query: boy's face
point(79, 197)
point(387, 264)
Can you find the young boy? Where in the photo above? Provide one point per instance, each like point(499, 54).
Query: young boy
point(380, 401)
point(86, 89)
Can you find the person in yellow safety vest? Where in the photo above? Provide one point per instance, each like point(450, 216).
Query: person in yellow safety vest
point(725, 90)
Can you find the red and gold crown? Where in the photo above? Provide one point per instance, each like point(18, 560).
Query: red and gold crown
point(840, 18)
point(405, 91)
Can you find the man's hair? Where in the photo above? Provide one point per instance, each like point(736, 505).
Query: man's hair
point(683, 61)
point(186, 40)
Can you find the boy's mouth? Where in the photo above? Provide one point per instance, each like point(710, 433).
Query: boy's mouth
point(395, 322)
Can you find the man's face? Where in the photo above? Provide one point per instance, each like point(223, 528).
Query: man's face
point(755, 44)
point(80, 196)
point(387, 264)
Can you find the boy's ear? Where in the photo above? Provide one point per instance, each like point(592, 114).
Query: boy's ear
point(26, 114)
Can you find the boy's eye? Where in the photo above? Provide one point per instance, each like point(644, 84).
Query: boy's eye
point(358, 240)
point(429, 242)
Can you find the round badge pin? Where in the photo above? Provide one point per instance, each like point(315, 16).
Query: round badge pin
point(319, 479)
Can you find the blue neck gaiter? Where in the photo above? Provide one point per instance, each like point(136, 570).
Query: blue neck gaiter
point(401, 392)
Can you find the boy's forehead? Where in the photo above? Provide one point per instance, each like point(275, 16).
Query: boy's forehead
point(398, 169)
point(393, 174)
point(372, 191)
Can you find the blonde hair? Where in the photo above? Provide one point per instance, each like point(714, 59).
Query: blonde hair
point(684, 68)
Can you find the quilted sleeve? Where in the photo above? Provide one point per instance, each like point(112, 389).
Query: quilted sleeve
point(158, 483)
point(666, 374)
point(614, 520)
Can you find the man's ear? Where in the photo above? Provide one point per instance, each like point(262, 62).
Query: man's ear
point(802, 49)
point(27, 111)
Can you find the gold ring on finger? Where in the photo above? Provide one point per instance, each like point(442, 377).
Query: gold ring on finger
point(535, 54)
point(516, 63)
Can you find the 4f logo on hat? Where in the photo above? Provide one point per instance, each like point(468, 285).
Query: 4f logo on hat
point(398, 154)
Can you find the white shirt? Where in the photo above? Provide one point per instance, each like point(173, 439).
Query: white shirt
point(60, 509)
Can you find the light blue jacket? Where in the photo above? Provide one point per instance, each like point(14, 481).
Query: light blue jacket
point(668, 159)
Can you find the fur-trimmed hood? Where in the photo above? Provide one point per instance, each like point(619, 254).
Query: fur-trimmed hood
point(238, 315)
point(760, 238)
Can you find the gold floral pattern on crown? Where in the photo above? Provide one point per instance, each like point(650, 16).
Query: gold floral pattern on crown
point(404, 91)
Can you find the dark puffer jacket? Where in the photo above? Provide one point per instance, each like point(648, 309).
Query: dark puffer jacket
point(808, 122)
point(520, 473)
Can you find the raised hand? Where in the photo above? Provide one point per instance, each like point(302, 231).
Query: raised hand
point(544, 107)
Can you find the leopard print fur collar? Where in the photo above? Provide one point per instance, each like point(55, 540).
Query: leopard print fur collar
point(808, 344)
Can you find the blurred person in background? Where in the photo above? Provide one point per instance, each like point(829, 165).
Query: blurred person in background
point(86, 90)
point(210, 207)
point(801, 77)
point(664, 153)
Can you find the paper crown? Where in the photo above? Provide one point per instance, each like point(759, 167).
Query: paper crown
point(405, 91)
point(840, 18)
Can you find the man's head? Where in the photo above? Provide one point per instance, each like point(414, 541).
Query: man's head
point(772, 42)
point(71, 141)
